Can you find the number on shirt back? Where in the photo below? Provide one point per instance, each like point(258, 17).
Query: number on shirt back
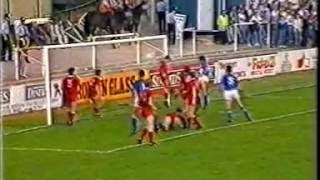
point(230, 81)
point(69, 83)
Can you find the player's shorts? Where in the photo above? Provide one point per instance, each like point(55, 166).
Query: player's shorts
point(136, 102)
point(230, 95)
point(146, 112)
point(204, 79)
point(149, 122)
point(167, 122)
point(94, 96)
point(191, 103)
point(69, 101)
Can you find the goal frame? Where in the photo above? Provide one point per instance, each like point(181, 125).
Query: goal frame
point(46, 63)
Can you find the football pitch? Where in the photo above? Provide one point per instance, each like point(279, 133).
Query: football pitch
point(279, 144)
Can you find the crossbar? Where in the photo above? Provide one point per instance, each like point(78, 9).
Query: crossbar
point(160, 37)
point(115, 36)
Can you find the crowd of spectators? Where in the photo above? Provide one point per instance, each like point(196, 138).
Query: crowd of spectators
point(22, 33)
point(291, 22)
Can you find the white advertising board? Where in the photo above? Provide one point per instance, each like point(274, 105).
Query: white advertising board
point(297, 60)
point(180, 24)
point(28, 98)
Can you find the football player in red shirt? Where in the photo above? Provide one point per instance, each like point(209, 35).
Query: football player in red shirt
point(70, 88)
point(193, 102)
point(148, 114)
point(164, 77)
point(172, 120)
point(184, 79)
point(95, 92)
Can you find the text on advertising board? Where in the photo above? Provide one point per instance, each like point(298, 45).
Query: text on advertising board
point(263, 65)
point(35, 92)
point(112, 86)
point(5, 96)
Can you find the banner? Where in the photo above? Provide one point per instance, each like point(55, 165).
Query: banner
point(28, 98)
point(240, 68)
point(32, 97)
point(297, 60)
point(116, 86)
point(261, 66)
point(180, 24)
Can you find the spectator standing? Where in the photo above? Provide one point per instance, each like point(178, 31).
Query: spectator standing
point(6, 52)
point(23, 41)
point(291, 32)
point(22, 34)
point(234, 18)
point(254, 30)
point(283, 30)
point(161, 11)
point(298, 23)
point(171, 23)
point(275, 17)
point(223, 23)
point(265, 18)
point(243, 29)
point(312, 18)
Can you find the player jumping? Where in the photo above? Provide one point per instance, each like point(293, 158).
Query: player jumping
point(148, 115)
point(164, 77)
point(70, 87)
point(95, 93)
point(229, 86)
point(205, 73)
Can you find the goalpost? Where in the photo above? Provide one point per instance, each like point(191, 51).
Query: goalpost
point(91, 50)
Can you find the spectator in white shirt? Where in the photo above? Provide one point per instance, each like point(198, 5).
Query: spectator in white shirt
point(22, 33)
point(161, 11)
point(298, 23)
point(254, 30)
point(243, 29)
point(171, 23)
point(291, 32)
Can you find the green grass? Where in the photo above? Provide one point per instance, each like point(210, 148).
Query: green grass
point(282, 149)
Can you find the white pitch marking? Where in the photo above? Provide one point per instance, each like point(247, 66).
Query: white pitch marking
point(161, 140)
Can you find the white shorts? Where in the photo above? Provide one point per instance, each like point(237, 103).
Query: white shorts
point(150, 125)
point(232, 94)
point(166, 123)
point(135, 102)
point(204, 78)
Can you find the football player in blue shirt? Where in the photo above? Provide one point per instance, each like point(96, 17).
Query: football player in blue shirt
point(229, 85)
point(138, 87)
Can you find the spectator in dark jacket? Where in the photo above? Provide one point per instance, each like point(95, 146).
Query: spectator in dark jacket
point(6, 51)
point(36, 35)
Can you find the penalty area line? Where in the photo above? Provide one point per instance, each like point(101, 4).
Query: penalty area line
point(128, 147)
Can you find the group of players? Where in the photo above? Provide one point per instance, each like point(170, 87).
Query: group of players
point(193, 92)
